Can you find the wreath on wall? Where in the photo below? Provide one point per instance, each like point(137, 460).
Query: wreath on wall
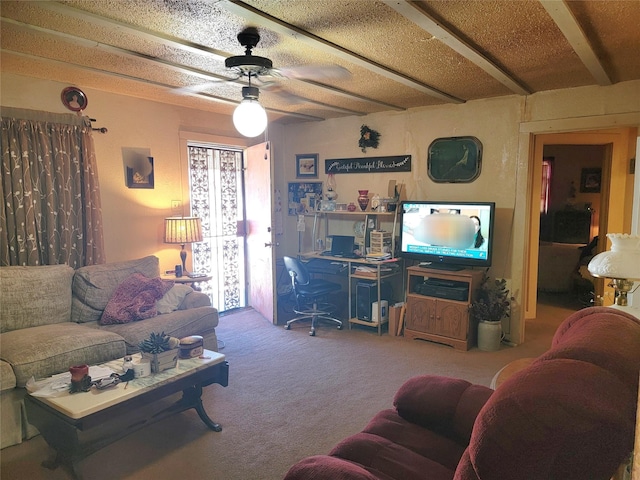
point(368, 138)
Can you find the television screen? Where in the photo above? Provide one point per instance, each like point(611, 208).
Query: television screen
point(448, 235)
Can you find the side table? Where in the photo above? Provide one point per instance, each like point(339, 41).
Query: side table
point(191, 281)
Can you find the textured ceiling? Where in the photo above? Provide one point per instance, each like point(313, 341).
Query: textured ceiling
point(399, 54)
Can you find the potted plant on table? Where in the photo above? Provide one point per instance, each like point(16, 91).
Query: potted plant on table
point(492, 303)
point(161, 350)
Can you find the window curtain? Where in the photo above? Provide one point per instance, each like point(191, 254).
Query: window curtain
point(51, 212)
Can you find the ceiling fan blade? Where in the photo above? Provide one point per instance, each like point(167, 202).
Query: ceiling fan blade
point(202, 86)
point(312, 72)
point(273, 88)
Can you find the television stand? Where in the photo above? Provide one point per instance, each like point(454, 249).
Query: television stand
point(448, 267)
point(437, 317)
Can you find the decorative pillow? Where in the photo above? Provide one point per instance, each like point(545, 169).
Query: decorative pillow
point(173, 298)
point(134, 299)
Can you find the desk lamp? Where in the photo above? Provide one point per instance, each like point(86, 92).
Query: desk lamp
point(182, 230)
point(621, 264)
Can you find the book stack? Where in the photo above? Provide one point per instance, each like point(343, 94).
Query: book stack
point(378, 256)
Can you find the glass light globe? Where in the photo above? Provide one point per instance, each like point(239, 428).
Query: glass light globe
point(250, 118)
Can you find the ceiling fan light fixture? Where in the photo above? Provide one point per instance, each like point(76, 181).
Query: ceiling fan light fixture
point(250, 118)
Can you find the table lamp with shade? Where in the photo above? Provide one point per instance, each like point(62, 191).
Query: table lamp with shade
point(621, 264)
point(182, 230)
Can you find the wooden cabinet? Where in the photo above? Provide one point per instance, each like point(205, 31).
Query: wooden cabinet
point(440, 313)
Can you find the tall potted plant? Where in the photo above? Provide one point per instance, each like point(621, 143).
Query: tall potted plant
point(491, 304)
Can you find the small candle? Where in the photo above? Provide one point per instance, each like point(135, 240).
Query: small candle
point(78, 372)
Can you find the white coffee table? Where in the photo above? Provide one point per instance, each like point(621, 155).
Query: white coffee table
point(76, 425)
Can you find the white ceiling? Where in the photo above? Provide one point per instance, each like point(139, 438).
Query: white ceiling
point(399, 54)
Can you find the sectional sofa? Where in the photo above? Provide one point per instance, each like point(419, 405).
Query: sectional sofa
point(50, 319)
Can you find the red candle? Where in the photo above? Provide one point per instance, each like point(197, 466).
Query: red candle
point(78, 372)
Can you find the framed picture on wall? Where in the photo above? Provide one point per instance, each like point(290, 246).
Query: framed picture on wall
point(590, 180)
point(307, 165)
point(454, 159)
point(141, 177)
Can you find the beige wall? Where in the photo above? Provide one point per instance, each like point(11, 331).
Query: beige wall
point(505, 126)
point(133, 218)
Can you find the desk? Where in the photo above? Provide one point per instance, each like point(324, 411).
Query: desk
point(192, 282)
point(379, 273)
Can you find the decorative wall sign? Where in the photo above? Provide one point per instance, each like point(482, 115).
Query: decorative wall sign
point(307, 165)
point(74, 99)
point(303, 197)
point(400, 163)
point(454, 159)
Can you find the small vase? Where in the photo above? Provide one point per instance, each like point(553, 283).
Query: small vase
point(351, 207)
point(363, 199)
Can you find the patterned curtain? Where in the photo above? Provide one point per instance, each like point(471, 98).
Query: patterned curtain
point(51, 212)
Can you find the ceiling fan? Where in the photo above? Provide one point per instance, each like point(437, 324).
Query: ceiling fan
point(260, 69)
point(250, 117)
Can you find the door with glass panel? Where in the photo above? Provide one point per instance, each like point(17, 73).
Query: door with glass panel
point(216, 184)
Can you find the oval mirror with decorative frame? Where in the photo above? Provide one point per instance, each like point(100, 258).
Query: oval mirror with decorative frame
point(454, 159)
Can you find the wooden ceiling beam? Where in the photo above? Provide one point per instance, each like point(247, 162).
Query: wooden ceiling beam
point(568, 24)
point(415, 14)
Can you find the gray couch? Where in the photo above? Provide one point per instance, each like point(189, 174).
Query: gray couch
point(49, 320)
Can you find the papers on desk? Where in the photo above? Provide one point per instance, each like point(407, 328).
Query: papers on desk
point(57, 385)
point(371, 271)
point(378, 256)
point(366, 271)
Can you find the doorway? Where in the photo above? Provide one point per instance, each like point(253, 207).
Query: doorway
point(614, 191)
point(216, 191)
point(570, 210)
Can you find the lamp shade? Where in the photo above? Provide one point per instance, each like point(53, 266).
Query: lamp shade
point(622, 261)
point(182, 230)
point(250, 118)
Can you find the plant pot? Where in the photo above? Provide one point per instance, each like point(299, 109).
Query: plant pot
point(162, 361)
point(489, 336)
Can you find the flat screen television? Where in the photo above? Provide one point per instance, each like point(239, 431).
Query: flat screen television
point(447, 235)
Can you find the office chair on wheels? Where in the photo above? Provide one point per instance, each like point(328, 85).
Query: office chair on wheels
point(309, 292)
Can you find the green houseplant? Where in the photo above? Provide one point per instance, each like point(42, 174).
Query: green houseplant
point(491, 304)
point(161, 350)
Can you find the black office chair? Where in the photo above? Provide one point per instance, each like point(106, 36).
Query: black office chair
point(309, 292)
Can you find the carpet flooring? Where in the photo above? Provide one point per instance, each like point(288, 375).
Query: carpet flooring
point(289, 396)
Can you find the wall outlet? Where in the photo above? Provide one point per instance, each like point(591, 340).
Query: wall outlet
point(176, 208)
